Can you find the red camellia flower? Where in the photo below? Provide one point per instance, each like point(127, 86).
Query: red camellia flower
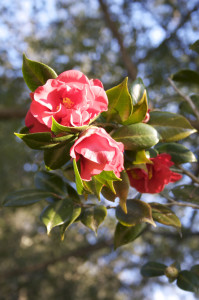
point(157, 176)
point(98, 152)
point(72, 99)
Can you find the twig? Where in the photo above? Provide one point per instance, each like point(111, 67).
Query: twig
point(173, 202)
point(186, 98)
point(131, 68)
point(193, 177)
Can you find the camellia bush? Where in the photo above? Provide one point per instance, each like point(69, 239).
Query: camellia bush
point(103, 143)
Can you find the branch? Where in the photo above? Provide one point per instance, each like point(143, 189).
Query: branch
point(186, 98)
point(81, 252)
point(131, 68)
point(173, 202)
point(193, 177)
point(7, 113)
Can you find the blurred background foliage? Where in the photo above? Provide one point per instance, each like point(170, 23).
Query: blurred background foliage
point(107, 40)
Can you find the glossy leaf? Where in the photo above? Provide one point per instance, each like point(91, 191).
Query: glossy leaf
point(171, 127)
point(188, 281)
point(137, 90)
point(78, 180)
point(186, 76)
point(106, 178)
point(137, 212)
point(71, 219)
point(26, 197)
point(120, 103)
point(153, 269)
point(57, 128)
point(179, 153)
point(55, 158)
point(186, 193)
point(125, 235)
point(93, 216)
point(35, 73)
point(94, 186)
point(164, 215)
point(38, 141)
point(195, 46)
point(139, 110)
point(57, 213)
point(136, 136)
point(50, 182)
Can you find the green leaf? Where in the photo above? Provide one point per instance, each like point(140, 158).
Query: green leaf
point(57, 213)
point(136, 136)
point(195, 270)
point(140, 102)
point(50, 182)
point(35, 73)
point(188, 281)
point(171, 127)
point(106, 178)
point(57, 157)
point(78, 180)
point(153, 269)
point(108, 175)
point(186, 193)
point(137, 91)
point(124, 235)
point(40, 140)
point(57, 128)
point(71, 219)
point(195, 46)
point(120, 103)
point(93, 216)
point(162, 214)
point(137, 212)
point(26, 197)
point(94, 186)
point(186, 76)
point(179, 153)
point(122, 189)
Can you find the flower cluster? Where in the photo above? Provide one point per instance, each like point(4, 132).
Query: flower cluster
point(73, 101)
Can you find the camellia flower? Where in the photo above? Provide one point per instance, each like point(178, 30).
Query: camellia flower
point(98, 152)
point(153, 179)
point(72, 99)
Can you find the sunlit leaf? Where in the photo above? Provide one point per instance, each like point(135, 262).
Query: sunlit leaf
point(93, 216)
point(57, 213)
point(164, 215)
point(127, 234)
point(35, 73)
point(171, 127)
point(137, 212)
point(136, 136)
point(179, 153)
point(120, 103)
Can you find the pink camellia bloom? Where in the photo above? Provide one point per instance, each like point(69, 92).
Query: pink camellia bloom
point(98, 152)
point(72, 99)
point(157, 176)
point(147, 117)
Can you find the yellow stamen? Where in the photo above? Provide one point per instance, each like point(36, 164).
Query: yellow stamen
point(68, 103)
point(150, 172)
